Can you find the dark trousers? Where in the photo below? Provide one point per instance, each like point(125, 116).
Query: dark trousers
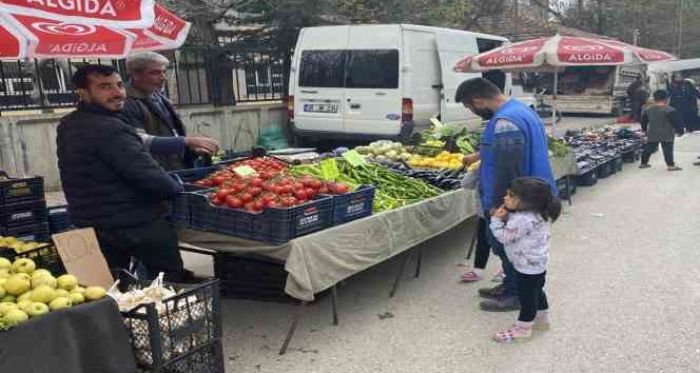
point(651, 148)
point(510, 281)
point(483, 248)
point(154, 244)
point(532, 296)
point(636, 106)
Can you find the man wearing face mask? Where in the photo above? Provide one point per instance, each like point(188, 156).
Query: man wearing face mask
point(111, 182)
point(514, 144)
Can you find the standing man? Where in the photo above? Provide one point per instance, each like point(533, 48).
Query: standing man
point(638, 96)
point(153, 115)
point(514, 144)
point(111, 182)
point(684, 98)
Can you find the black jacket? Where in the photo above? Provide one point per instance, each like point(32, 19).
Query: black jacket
point(109, 179)
point(140, 112)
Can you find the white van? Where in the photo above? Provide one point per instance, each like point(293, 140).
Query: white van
point(659, 73)
point(380, 81)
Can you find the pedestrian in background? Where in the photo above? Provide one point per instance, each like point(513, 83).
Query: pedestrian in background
point(638, 96)
point(661, 123)
point(684, 98)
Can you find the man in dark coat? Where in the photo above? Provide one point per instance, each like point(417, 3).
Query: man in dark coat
point(638, 96)
point(111, 182)
point(155, 118)
point(684, 98)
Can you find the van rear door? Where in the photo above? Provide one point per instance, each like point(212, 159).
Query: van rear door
point(373, 95)
point(451, 48)
point(319, 91)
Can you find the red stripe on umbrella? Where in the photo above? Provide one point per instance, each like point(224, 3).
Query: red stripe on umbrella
point(118, 13)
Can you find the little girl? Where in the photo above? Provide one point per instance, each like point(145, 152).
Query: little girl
point(521, 224)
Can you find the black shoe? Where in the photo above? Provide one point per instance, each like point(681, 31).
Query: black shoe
point(644, 165)
point(492, 293)
point(501, 304)
point(184, 277)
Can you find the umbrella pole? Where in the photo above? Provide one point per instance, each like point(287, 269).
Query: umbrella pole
point(554, 99)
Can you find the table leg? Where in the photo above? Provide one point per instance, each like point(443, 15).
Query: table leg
point(398, 275)
point(334, 304)
point(292, 328)
point(568, 189)
point(419, 261)
point(473, 242)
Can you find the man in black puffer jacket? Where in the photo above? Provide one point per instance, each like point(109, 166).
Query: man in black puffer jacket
point(111, 182)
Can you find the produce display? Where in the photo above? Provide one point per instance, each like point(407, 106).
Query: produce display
point(593, 148)
point(27, 292)
point(19, 246)
point(450, 179)
point(444, 160)
point(384, 151)
point(558, 147)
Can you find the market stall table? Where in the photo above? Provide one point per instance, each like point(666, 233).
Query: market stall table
point(88, 338)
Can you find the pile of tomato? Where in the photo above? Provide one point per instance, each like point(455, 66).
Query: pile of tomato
point(271, 187)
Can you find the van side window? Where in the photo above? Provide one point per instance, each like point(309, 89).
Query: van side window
point(373, 69)
point(322, 68)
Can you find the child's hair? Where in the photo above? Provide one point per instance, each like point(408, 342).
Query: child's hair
point(660, 95)
point(535, 194)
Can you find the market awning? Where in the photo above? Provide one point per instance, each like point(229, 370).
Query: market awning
point(31, 36)
point(560, 51)
point(116, 13)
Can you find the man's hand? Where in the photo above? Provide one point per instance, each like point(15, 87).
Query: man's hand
point(471, 158)
point(202, 145)
point(501, 213)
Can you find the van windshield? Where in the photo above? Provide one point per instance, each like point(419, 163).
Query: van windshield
point(375, 68)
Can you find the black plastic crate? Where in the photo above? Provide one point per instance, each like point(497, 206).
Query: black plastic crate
point(588, 178)
point(16, 190)
point(186, 332)
point(279, 225)
point(249, 276)
point(23, 213)
point(618, 164)
point(566, 190)
point(180, 207)
point(354, 205)
point(30, 232)
point(59, 220)
point(274, 225)
point(631, 156)
point(605, 170)
point(46, 257)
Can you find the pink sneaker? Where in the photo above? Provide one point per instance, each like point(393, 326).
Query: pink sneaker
point(515, 333)
point(471, 276)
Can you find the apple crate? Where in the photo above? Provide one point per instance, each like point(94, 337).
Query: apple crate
point(183, 334)
point(59, 220)
point(28, 232)
point(22, 189)
point(46, 257)
point(32, 212)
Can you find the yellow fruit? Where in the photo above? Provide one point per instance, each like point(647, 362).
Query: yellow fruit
point(60, 303)
point(43, 294)
point(43, 279)
point(94, 293)
point(76, 298)
point(67, 282)
point(17, 284)
point(14, 317)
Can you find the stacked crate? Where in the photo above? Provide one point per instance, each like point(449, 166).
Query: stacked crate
point(23, 208)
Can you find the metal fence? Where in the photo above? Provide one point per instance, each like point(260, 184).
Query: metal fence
point(197, 76)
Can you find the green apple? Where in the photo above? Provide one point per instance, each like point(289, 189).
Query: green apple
point(24, 265)
point(5, 272)
point(5, 264)
point(62, 293)
point(78, 289)
point(67, 282)
point(2, 291)
point(17, 284)
point(43, 294)
point(25, 296)
point(24, 304)
point(94, 293)
point(41, 271)
point(60, 303)
point(6, 306)
point(14, 317)
point(3, 281)
point(9, 298)
point(37, 309)
point(76, 298)
point(42, 279)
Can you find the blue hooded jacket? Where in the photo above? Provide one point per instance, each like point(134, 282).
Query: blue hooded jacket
point(514, 144)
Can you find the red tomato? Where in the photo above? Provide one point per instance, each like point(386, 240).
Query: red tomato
point(316, 184)
point(323, 189)
point(217, 201)
point(268, 198)
point(233, 202)
point(223, 193)
point(271, 204)
point(218, 180)
point(246, 197)
point(287, 189)
point(238, 187)
point(341, 188)
point(249, 207)
point(255, 191)
point(257, 182)
point(298, 185)
point(258, 206)
point(300, 194)
point(310, 192)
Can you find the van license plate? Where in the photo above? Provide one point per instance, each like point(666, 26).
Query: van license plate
point(321, 108)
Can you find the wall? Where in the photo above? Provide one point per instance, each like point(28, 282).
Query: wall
point(28, 142)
